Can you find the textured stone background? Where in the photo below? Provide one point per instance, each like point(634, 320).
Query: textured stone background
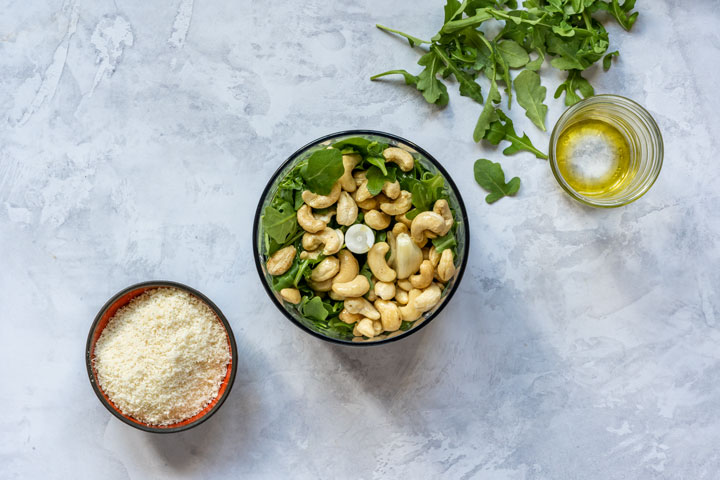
point(135, 139)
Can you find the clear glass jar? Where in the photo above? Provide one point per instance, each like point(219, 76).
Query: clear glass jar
point(643, 141)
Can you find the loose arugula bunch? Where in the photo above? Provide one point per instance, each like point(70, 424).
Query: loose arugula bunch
point(318, 173)
point(563, 30)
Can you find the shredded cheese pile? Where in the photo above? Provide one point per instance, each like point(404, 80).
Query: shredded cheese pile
point(162, 358)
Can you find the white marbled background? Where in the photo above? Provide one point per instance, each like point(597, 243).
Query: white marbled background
point(134, 141)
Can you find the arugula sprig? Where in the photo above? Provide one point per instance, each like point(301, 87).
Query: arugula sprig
point(563, 30)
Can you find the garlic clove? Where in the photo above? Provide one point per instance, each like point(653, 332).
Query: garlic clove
point(359, 238)
point(408, 256)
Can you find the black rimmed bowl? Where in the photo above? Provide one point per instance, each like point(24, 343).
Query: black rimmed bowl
point(121, 299)
point(426, 160)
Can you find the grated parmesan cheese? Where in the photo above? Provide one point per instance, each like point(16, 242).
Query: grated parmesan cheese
point(162, 358)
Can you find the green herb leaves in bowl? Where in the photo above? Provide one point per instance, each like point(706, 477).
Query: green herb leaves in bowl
point(360, 238)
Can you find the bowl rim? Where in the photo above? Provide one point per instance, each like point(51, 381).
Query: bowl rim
point(291, 158)
point(213, 307)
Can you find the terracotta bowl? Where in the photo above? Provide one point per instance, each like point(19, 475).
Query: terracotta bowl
point(118, 301)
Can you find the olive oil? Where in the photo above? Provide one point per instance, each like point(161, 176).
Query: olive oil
point(594, 157)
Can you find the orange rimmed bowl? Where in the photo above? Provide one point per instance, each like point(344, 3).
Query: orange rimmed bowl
point(118, 301)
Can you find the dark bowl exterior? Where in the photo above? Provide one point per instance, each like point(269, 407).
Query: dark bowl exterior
point(291, 159)
point(121, 299)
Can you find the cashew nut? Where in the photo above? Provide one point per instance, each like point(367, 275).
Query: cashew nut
point(378, 265)
point(356, 287)
point(427, 222)
point(347, 210)
point(330, 239)
point(347, 182)
point(425, 277)
point(291, 295)
point(322, 201)
point(335, 296)
point(307, 220)
point(401, 157)
point(401, 296)
point(304, 255)
point(398, 206)
point(391, 189)
point(362, 307)
point(434, 256)
point(385, 290)
point(324, 286)
point(389, 314)
point(377, 220)
point(371, 296)
point(403, 219)
point(362, 193)
point(350, 318)
point(349, 267)
point(443, 209)
point(325, 270)
point(392, 241)
point(365, 328)
point(428, 298)
point(377, 327)
point(405, 284)
point(408, 312)
point(325, 217)
point(446, 266)
point(360, 176)
point(399, 228)
point(281, 261)
point(368, 204)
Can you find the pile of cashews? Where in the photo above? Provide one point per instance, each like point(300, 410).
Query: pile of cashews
point(406, 284)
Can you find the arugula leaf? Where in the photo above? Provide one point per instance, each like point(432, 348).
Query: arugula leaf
point(607, 60)
point(379, 162)
point(358, 144)
point(413, 41)
point(515, 56)
point(287, 279)
point(456, 25)
point(502, 129)
point(367, 273)
point(444, 242)
point(487, 115)
point(315, 309)
point(376, 178)
point(574, 82)
point(279, 221)
point(567, 53)
point(619, 12)
point(433, 89)
point(468, 86)
point(530, 95)
point(491, 177)
point(323, 169)
point(421, 197)
point(451, 10)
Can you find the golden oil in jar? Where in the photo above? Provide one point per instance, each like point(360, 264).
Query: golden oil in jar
point(593, 157)
point(606, 151)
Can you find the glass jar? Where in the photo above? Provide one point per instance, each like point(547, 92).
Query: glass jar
point(624, 123)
